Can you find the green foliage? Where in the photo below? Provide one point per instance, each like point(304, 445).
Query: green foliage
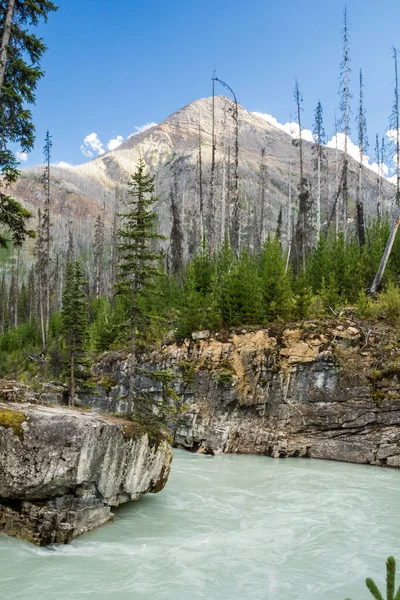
point(13, 419)
point(224, 378)
point(390, 583)
point(23, 54)
point(385, 306)
point(277, 295)
point(75, 329)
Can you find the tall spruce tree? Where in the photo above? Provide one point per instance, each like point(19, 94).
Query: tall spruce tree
point(20, 55)
point(75, 330)
point(138, 262)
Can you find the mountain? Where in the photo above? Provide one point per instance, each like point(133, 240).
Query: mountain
point(170, 149)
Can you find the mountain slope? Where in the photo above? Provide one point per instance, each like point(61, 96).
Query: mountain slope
point(170, 150)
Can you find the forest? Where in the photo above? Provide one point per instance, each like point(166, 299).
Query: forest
point(62, 304)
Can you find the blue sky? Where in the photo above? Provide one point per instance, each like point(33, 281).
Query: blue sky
point(116, 65)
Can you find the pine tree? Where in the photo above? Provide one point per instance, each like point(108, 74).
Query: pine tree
point(20, 54)
point(75, 330)
point(390, 583)
point(319, 158)
point(137, 268)
point(363, 148)
point(275, 282)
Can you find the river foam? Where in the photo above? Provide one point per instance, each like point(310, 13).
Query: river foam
point(226, 528)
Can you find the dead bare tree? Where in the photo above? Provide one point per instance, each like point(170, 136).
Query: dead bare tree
point(235, 212)
point(345, 97)
point(395, 125)
point(362, 147)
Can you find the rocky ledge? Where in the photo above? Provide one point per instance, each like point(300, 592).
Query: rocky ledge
point(327, 389)
point(61, 471)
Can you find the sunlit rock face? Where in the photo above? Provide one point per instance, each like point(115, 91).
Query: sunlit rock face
point(310, 390)
point(61, 471)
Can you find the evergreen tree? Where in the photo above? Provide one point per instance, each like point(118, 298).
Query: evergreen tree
point(20, 55)
point(137, 268)
point(240, 294)
point(75, 330)
point(391, 593)
point(277, 299)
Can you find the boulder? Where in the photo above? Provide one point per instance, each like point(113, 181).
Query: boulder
point(62, 471)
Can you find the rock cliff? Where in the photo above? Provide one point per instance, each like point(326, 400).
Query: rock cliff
point(61, 470)
point(328, 390)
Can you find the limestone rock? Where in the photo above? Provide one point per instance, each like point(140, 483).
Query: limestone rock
point(61, 470)
point(200, 335)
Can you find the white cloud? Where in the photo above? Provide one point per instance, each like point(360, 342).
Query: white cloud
point(290, 128)
point(92, 146)
point(293, 130)
point(141, 128)
point(22, 156)
point(114, 143)
point(62, 164)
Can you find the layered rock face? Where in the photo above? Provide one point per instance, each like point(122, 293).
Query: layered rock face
point(308, 391)
point(61, 470)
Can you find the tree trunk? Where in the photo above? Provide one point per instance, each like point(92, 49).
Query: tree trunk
point(5, 41)
point(318, 208)
point(71, 400)
point(385, 258)
point(132, 365)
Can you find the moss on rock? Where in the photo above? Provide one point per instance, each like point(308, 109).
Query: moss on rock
point(13, 419)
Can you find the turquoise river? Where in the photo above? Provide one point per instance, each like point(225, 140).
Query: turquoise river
point(227, 528)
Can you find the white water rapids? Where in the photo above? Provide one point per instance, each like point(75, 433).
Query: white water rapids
point(227, 528)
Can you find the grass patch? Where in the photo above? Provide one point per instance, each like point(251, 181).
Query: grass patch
point(13, 419)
